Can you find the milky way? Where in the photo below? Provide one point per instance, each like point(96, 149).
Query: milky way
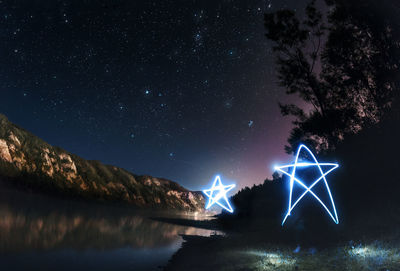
point(175, 89)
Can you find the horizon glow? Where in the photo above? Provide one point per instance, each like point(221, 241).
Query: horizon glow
point(293, 179)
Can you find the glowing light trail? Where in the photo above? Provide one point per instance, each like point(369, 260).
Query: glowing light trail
point(220, 193)
point(293, 179)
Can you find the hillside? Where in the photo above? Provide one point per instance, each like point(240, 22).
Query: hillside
point(28, 161)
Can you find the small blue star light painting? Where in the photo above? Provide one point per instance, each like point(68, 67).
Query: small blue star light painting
point(290, 170)
point(217, 194)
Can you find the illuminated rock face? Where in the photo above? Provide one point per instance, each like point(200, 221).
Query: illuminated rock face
point(4, 151)
point(31, 161)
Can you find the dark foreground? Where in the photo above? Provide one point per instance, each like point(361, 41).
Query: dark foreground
point(251, 250)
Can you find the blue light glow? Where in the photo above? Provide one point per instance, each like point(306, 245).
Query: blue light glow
point(293, 178)
point(220, 193)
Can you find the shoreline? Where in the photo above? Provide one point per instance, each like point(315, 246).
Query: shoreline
point(211, 224)
point(267, 249)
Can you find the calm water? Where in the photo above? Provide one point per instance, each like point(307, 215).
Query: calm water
point(38, 233)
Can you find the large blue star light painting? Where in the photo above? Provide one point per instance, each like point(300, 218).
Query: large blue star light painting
point(290, 170)
point(217, 194)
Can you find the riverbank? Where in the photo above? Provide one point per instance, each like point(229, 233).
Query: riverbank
point(241, 252)
point(252, 249)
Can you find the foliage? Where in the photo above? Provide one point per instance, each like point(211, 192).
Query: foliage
point(343, 66)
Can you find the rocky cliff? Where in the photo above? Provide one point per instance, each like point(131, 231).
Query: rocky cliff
point(29, 161)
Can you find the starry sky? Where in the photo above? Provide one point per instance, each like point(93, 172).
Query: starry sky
point(176, 89)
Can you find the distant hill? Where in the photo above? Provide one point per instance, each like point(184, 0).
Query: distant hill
point(28, 161)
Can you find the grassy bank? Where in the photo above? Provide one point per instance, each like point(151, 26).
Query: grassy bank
point(263, 245)
point(249, 252)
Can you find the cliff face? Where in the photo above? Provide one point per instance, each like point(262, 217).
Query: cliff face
point(26, 159)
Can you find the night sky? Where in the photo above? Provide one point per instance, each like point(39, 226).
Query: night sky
point(176, 89)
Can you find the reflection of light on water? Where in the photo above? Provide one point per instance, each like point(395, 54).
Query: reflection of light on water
point(198, 231)
point(276, 259)
point(22, 230)
point(198, 215)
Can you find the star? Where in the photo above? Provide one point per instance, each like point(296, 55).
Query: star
point(293, 179)
point(220, 193)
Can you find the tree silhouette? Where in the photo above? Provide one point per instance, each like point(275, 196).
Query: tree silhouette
point(343, 62)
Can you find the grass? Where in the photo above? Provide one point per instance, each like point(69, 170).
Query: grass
point(247, 252)
point(369, 257)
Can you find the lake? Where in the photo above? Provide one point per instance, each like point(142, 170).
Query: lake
point(39, 233)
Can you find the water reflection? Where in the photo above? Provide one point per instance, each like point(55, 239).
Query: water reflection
point(23, 231)
point(47, 236)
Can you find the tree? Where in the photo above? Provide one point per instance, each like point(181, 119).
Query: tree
point(344, 65)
